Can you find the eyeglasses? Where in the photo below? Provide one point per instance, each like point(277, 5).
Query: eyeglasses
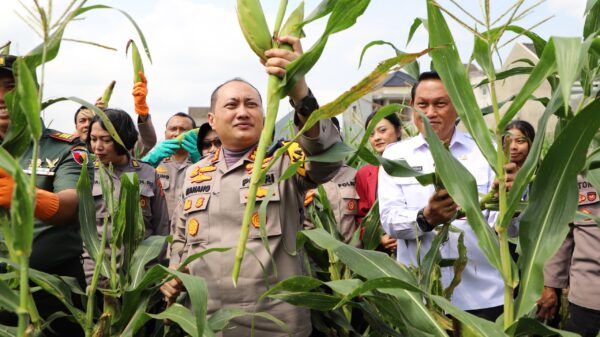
point(207, 144)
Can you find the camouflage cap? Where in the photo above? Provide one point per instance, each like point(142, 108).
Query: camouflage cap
point(6, 61)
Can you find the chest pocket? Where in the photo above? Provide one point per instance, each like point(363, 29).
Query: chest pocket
point(273, 222)
point(195, 212)
point(349, 201)
point(482, 179)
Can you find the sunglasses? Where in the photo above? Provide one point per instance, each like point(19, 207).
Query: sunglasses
point(207, 144)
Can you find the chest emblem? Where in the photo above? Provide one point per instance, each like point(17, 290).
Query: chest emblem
point(161, 169)
point(256, 220)
point(199, 202)
point(200, 178)
point(187, 205)
point(351, 205)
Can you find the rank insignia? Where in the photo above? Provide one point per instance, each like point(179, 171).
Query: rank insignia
point(252, 155)
point(135, 163)
point(38, 163)
point(65, 137)
point(200, 178)
point(591, 196)
point(51, 163)
point(261, 192)
point(256, 220)
point(206, 169)
point(199, 202)
point(187, 205)
point(193, 227)
point(215, 156)
point(161, 169)
point(351, 205)
point(582, 198)
point(308, 199)
point(142, 202)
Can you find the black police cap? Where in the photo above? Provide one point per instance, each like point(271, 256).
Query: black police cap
point(6, 61)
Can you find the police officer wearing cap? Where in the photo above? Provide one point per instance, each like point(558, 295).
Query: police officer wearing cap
point(57, 244)
point(214, 198)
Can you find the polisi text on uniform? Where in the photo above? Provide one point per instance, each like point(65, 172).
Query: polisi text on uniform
point(347, 184)
point(269, 179)
point(197, 189)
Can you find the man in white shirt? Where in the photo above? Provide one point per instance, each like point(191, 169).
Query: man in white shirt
point(409, 211)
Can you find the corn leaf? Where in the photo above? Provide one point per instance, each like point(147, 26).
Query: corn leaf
point(372, 265)
point(373, 231)
point(9, 300)
point(29, 100)
point(343, 15)
point(338, 152)
point(314, 301)
point(570, 53)
point(479, 326)
point(433, 257)
point(182, 316)
point(292, 25)
point(456, 81)
point(527, 326)
point(378, 284)
point(463, 188)
point(87, 218)
point(137, 320)
point(198, 293)
point(136, 60)
point(411, 69)
point(553, 203)
point(18, 137)
point(107, 123)
point(544, 68)
point(21, 214)
point(147, 251)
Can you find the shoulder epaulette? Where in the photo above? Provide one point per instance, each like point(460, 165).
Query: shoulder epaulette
point(65, 137)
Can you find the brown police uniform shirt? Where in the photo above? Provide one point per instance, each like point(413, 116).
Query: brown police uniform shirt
point(146, 138)
point(342, 196)
point(210, 215)
point(152, 203)
point(172, 174)
point(577, 262)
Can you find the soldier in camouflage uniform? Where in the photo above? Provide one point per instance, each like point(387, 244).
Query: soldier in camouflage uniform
point(214, 197)
point(57, 244)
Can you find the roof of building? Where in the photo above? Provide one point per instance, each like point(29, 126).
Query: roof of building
point(398, 79)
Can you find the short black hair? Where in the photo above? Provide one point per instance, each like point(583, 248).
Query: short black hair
point(182, 114)
point(213, 96)
point(124, 126)
point(392, 118)
point(525, 127)
point(205, 128)
point(77, 113)
point(424, 76)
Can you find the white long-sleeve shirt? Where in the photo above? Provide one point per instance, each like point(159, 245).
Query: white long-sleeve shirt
point(400, 199)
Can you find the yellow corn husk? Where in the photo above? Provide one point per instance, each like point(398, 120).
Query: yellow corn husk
point(108, 93)
point(181, 136)
point(254, 26)
point(136, 60)
point(5, 48)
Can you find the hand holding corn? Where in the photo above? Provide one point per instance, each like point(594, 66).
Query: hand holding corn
point(140, 91)
point(279, 58)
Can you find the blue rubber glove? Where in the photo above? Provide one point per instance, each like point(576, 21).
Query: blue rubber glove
point(189, 144)
point(162, 150)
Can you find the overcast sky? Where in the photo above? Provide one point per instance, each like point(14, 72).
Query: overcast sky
point(197, 44)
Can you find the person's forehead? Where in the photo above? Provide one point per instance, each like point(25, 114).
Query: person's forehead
point(98, 130)
point(236, 89)
point(431, 87)
point(178, 120)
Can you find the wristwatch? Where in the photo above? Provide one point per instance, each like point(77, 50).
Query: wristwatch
point(306, 106)
point(422, 222)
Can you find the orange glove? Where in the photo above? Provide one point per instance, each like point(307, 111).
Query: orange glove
point(7, 184)
point(140, 91)
point(46, 203)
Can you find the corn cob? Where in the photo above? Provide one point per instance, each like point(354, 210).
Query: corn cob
point(182, 136)
point(108, 93)
point(254, 26)
point(137, 61)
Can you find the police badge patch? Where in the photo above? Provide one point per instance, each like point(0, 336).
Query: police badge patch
point(79, 154)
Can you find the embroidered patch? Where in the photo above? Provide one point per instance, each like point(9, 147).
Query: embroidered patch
point(200, 178)
point(193, 227)
point(199, 202)
point(351, 205)
point(591, 196)
point(161, 169)
point(582, 198)
point(143, 202)
point(256, 220)
point(187, 205)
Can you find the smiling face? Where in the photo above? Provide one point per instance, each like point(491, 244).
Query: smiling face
point(517, 144)
point(383, 134)
point(7, 83)
point(237, 116)
point(432, 98)
point(103, 146)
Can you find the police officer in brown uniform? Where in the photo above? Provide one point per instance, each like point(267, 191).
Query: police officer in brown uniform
point(576, 265)
point(171, 159)
point(108, 151)
point(214, 197)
